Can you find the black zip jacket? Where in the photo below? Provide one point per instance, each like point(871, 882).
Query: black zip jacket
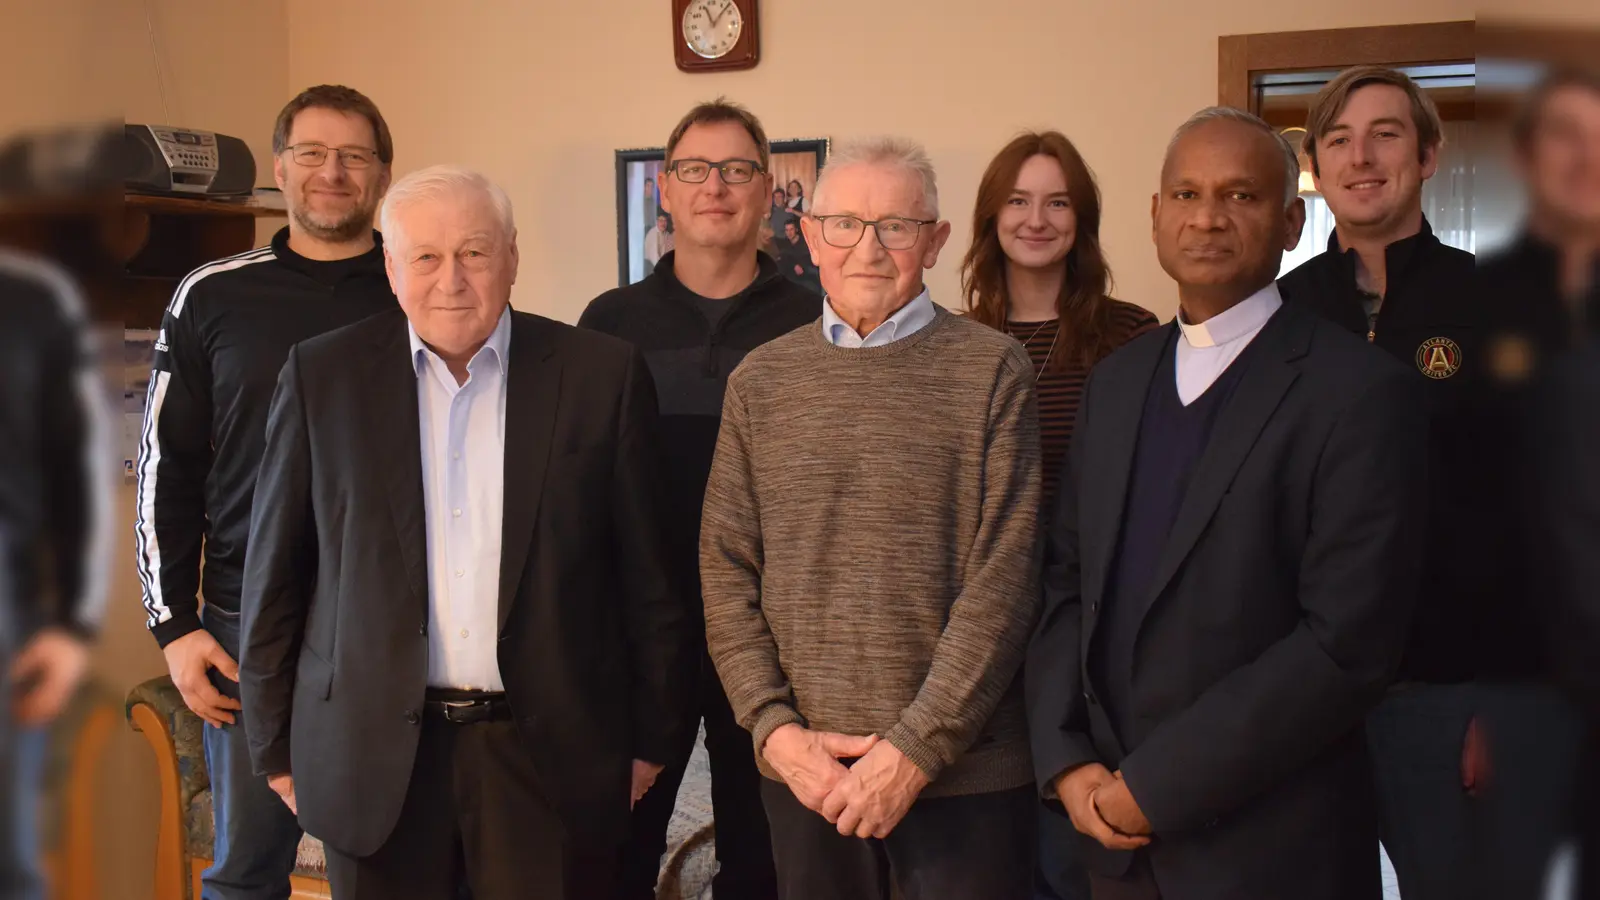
point(1432, 320)
point(57, 457)
point(690, 360)
point(223, 340)
point(1535, 333)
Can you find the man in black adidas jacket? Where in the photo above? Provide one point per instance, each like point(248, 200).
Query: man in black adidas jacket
point(223, 340)
point(713, 299)
point(1373, 138)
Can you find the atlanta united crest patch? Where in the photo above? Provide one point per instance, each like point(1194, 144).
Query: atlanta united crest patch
point(1439, 357)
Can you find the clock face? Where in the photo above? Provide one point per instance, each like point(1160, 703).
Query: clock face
point(712, 27)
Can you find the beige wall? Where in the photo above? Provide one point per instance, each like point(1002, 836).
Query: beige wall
point(539, 95)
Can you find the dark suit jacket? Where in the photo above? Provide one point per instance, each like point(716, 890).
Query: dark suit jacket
point(1275, 618)
point(595, 645)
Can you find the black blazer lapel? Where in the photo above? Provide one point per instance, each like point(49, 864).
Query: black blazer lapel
point(1285, 338)
point(1119, 407)
point(392, 389)
point(533, 391)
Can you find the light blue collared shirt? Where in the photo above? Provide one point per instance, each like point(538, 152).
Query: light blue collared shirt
point(910, 319)
point(463, 477)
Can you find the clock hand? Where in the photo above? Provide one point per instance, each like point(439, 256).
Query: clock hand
point(716, 17)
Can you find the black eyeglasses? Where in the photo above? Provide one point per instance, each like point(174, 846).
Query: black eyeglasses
point(313, 154)
point(734, 171)
point(893, 233)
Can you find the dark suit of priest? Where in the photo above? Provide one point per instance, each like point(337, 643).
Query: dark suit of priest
point(1223, 606)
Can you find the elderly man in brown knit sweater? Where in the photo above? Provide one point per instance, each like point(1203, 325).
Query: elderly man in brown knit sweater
point(868, 558)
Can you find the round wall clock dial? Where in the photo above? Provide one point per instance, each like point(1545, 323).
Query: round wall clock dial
point(716, 35)
point(711, 28)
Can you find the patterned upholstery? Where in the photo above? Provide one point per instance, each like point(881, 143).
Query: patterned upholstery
point(162, 696)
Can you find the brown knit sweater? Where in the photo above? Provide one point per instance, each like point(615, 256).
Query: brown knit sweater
point(868, 553)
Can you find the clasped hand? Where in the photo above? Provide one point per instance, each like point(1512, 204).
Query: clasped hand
point(868, 799)
point(1102, 807)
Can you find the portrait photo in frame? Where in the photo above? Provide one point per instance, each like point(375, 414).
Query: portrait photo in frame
point(644, 229)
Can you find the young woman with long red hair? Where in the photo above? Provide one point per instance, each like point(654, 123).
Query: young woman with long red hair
point(1036, 271)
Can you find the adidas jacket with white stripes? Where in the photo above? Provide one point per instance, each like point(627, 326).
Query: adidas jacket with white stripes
point(57, 457)
point(225, 336)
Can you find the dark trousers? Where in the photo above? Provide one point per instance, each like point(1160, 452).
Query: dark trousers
point(1425, 817)
point(743, 841)
point(475, 815)
point(946, 848)
point(1535, 740)
point(1138, 883)
point(257, 837)
point(1060, 875)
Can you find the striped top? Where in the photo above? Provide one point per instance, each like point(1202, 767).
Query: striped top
point(1061, 390)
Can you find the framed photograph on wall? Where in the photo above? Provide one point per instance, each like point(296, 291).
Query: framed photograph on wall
point(645, 231)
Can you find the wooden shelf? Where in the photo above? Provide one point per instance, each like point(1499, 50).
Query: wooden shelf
point(186, 206)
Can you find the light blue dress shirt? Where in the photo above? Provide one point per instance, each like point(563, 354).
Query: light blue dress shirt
point(908, 320)
point(463, 475)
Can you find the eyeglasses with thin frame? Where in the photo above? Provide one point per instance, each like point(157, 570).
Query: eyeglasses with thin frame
point(893, 233)
point(696, 171)
point(314, 154)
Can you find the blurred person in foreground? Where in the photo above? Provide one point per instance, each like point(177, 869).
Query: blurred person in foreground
point(1543, 293)
point(55, 499)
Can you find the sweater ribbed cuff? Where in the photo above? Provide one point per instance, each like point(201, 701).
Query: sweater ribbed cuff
point(772, 717)
point(924, 754)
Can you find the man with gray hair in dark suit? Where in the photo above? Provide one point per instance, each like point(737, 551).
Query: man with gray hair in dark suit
point(1229, 576)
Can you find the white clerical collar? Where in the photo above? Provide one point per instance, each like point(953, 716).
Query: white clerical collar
point(1241, 320)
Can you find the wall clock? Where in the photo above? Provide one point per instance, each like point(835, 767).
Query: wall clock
point(715, 35)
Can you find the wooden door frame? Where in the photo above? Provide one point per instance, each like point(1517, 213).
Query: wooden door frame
point(1241, 56)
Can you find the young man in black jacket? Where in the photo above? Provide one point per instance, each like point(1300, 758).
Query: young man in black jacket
point(1373, 138)
point(713, 299)
point(223, 339)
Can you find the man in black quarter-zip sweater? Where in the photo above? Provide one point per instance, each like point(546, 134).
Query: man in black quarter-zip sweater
point(1374, 138)
point(713, 299)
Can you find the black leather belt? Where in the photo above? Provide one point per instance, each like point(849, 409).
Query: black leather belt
point(466, 707)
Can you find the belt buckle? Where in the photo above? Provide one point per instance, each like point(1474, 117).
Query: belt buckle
point(450, 707)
